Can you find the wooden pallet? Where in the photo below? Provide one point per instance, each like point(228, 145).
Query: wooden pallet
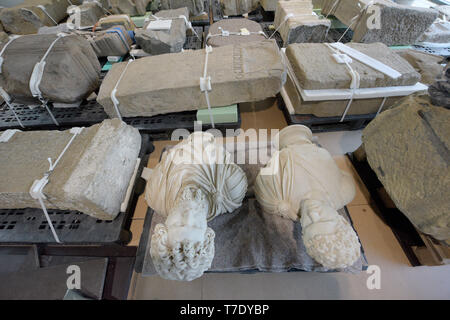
point(420, 249)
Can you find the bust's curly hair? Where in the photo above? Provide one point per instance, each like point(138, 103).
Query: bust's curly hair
point(184, 262)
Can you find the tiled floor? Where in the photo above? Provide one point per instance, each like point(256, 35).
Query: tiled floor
point(398, 279)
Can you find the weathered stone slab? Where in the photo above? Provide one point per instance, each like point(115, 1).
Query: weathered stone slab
point(71, 73)
point(196, 7)
point(408, 149)
point(92, 176)
point(238, 7)
point(112, 42)
point(216, 39)
point(269, 5)
point(334, 108)
point(90, 13)
point(303, 26)
point(315, 67)
point(164, 41)
point(399, 24)
point(428, 65)
point(27, 17)
point(438, 32)
point(167, 83)
point(131, 7)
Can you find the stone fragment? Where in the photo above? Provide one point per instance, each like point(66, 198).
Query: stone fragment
point(238, 7)
point(217, 38)
point(71, 71)
point(196, 7)
point(167, 83)
point(28, 17)
point(131, 7)
point(428, 65)
point(90, 13)
point(408, 149)
point(439, 91)
point(112, 42)
point(438, 32)
point(396, 25)
point(164, 41)
point(315, 67)
point(91, 177)
point(303, 25)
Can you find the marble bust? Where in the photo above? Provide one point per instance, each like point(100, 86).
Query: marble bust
point(194, 182)
point(303, 183)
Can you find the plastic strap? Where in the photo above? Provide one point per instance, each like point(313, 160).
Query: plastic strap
point(283, 22)
point(205, 84)
point(7, 99)
point(114, 99)
point(45, 11)
point(226, 33)
point(355, 19)
point(36, 190)
point(381, 106)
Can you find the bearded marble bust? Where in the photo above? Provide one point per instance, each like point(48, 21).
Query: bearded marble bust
point(302, 182)
point(194, 182)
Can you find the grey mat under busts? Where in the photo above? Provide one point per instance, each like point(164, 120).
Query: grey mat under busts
point(249, 240)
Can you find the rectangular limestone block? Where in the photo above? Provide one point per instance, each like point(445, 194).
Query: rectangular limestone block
point(28, 17)
point(384, 21)
point(71, 72)
point(170, 82)
point(91, 177)
point(196, 7)
point(303, 25)
point(315, 67)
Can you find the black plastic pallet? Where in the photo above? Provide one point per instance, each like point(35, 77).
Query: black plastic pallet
point(326, 124)
point(269, 30)
point(90, 113)
point(29, 226)
point(192, 42)
point(405, 233)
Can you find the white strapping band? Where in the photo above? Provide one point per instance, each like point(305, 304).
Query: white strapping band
point(36, 190)
point(114, 99)
point(205, 84)
point(7, 99)
point(8, 134)
point(242, 32)
point(11, 39)
point(45, 11)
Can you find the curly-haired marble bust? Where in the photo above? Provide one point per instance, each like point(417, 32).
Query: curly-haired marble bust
point(194, 182)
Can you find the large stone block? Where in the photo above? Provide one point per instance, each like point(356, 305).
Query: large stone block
point(428, 65)
point(196, 7)
point(269, 5)
point(215, 37)
point(315, 67)
point(90, 13)
point(399, 24)
point(71, 72)
point(91, 177)
point(131, 7)
point(28, 17)
point(238, 7)
point(164, 41)
point(167, 83)
point(408, 149)
point(303, 25)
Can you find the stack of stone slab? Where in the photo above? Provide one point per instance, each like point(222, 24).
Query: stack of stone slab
point(408, 149)
point(314, 68)
point(158, 39)
point(196, 7)
point(113, 42)
point(428, 65)
point(234, 31)
point(167, 83)
point(297, 23)
point(71, 72)
point(130, 7)
point(92, 176)
point(238, 7)
point(395, 25)
point(115, 20)
point(29, 16)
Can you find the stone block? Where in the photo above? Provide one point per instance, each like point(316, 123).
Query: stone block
point(238, 7)
point(216, 39)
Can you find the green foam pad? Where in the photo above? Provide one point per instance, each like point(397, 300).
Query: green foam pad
point(140, 20)
point(227, 114)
